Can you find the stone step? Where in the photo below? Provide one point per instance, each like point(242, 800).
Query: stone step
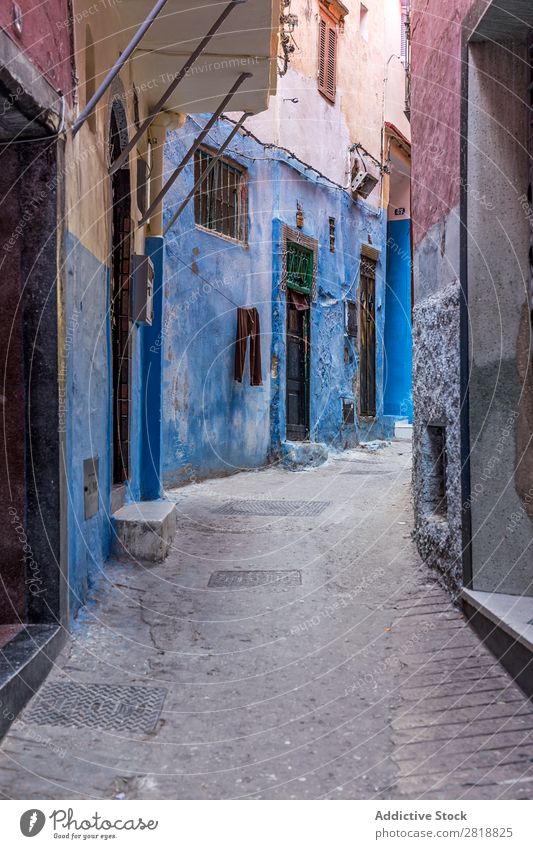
point(303, 455)
point(144, 530)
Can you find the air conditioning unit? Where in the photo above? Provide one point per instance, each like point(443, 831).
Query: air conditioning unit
point(364, 183)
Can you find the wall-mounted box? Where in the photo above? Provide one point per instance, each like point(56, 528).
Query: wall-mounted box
point(348, 411)
point(142, 289)
point(90, 487)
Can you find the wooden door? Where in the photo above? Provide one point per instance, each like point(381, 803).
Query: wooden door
point(297, 374)
point(367, 349)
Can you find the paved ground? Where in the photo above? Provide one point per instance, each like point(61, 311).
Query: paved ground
point(361, 682)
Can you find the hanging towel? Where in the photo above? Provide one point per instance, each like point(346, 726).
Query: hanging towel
point(248, 326)
point(298, 301)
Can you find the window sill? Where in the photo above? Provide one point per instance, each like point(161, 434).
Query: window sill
point(230, 239)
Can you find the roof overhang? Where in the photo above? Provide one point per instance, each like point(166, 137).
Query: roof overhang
point(394, 133)
point(247, 41)
point(503, 20)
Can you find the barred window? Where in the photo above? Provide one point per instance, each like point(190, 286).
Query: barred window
point(300, 268)
point(221, 202)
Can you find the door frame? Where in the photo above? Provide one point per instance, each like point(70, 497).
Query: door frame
point(369, 258)
point(291, 234)
point(306, 425)
point(120, 197)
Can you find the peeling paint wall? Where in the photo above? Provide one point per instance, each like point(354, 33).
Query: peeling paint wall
point(437, 402)
point(495, 240)
point(370, 90)
point(213, 425)
point(86, 305)
point(436, 184)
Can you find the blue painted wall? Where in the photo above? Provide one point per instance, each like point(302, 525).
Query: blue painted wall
point(152, 381)
point(398, 330)
point(212, 425)
point(88, 419)
point(88, 414)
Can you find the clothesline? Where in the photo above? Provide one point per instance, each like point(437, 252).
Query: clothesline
point(205, 280)
point(208, 282)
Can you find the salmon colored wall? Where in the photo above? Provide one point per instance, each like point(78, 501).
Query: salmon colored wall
point(436, 109)
point(46, 37)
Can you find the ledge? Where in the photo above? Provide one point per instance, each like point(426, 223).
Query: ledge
point(25, 661)
point(512, 613)
point(504, 622)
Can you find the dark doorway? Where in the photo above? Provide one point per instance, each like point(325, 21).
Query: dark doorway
point(367, 349)
point(298, 350)
point(31, 422)
point(120, 302)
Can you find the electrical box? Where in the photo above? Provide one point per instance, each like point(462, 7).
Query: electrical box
point(348, 411)
point(142, 289)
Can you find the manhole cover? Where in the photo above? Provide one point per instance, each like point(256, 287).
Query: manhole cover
point(367, 472)
point(272, 508)
point(98, 706)
point(287, 578)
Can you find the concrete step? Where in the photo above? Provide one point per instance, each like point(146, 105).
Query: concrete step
point(144, 530)
point(303, 455)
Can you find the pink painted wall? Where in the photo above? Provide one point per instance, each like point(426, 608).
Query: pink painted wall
point(436, 109)
point(46, 37)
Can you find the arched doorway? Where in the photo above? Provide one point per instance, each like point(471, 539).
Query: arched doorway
point(120, 299)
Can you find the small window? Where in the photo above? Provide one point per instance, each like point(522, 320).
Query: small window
point(433, 467)
point(332, 235)
point(327, 56)
point(221, 202)
point(363, 22)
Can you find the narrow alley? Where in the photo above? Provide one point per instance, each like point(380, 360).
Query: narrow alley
point(296, 648)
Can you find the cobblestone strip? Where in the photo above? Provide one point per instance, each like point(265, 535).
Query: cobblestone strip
point(461, 727)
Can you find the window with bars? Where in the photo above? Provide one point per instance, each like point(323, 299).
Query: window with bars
point(221, 202)
point(327, 56)
point(300, 265)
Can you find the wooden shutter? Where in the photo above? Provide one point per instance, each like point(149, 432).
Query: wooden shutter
point(327, 57)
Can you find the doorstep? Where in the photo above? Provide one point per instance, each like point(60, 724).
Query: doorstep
point(505, 623)
point(297, 456)
point(144, 530)
point(25, 661)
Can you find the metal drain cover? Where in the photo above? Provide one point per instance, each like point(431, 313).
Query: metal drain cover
point(368, 472)
point(273, 508)
point(98, 706)
point(287, 578)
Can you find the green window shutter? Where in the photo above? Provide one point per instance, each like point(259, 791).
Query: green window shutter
point(299, 268)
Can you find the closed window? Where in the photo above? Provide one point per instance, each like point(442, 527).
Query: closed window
point(221, 203)
point(327, 56)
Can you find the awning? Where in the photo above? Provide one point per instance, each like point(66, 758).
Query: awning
point(184, 59)
point(246, 41)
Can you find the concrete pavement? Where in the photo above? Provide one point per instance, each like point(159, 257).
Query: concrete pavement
point(360, 681)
